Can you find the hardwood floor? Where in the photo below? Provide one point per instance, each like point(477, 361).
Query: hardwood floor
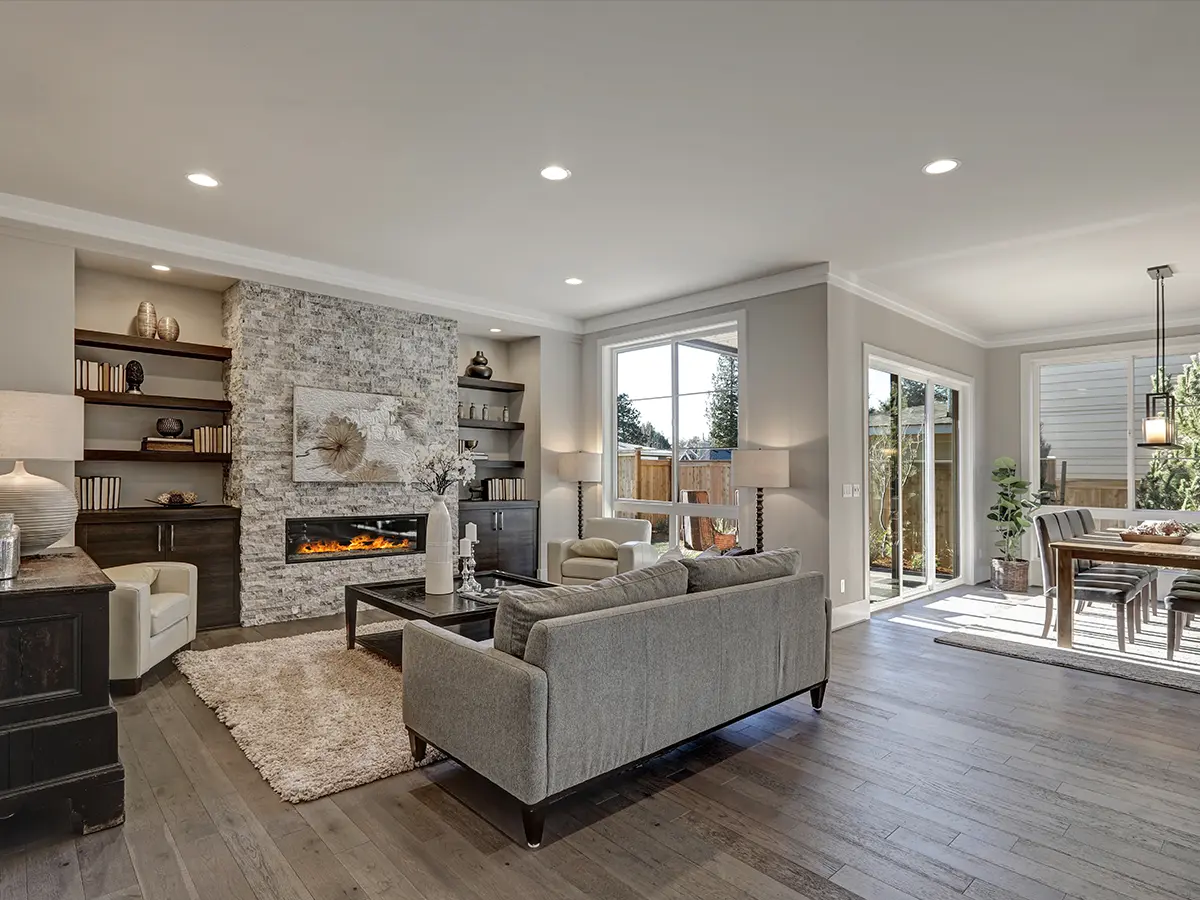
point(932, 772)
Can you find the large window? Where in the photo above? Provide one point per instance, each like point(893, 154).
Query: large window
point(1088, 413)
point(674, 423)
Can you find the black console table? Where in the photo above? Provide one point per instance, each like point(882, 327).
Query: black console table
point(58, 730)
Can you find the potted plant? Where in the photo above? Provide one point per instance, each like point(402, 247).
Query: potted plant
point(1014, 503)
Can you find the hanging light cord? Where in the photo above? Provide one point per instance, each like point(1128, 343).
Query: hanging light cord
point(1160, 349)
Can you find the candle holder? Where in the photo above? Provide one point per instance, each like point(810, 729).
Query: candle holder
point(469, 584)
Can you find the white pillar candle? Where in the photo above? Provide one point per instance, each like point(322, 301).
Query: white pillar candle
point(1155, 430)
point(464, 547)
point(471, 533)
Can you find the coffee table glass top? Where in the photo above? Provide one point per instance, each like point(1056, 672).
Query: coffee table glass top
point(411, 595)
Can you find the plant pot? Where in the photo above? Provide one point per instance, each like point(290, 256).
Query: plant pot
point(1010, 575)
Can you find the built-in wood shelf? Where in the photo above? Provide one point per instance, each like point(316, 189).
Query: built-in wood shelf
point(499, 464)
point(107, 341)
point(488, 384)
point(173, 456)
point(118, 398)
point(490, 425)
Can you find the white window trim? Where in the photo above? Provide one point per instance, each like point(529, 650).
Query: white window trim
point(699, 328)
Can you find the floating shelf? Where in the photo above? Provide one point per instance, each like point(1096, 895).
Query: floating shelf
point(154, 456)
point(117, 398)
point(487, 384)
point(490, 425)
point(106, 341)
point(499, 464)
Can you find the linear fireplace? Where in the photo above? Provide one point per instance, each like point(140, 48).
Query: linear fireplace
point(353, 537)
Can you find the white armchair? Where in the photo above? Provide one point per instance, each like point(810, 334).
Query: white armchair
point(148, 619)
point(634, 551)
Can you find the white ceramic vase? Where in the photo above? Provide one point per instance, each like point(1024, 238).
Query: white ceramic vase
point(43, 509)
point(439, 550)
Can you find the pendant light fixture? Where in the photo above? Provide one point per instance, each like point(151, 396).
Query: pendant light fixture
point(1158, 427)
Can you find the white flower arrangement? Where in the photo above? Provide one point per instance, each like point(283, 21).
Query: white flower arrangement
point(441, 469)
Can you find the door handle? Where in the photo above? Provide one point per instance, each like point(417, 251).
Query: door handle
point(172, 526)
point(501, 520)
point(160, 531)
point(495, 520)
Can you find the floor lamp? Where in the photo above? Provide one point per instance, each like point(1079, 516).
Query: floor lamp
point(760, 469)
point(580, 467)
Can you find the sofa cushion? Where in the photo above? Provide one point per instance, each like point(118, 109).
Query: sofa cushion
point(589, 568)
point(597, 547)
point(137, 574)
point(519, 611)
point(727, 571)
point(166, 609)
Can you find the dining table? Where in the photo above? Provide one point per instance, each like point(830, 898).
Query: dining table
point(1102, 549)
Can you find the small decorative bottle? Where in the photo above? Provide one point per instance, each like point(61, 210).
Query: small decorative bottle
point(504, 414)
point(10, 547)
point(460, 409)
point(485, 412)
point(472, 410)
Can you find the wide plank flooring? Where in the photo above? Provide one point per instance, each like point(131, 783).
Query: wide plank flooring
point(933, 773)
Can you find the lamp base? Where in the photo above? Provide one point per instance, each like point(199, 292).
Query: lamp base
point(43, 509)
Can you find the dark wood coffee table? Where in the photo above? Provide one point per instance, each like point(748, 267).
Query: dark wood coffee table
point(407, 599)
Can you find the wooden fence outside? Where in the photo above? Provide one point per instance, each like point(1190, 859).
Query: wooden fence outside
point(649, 478)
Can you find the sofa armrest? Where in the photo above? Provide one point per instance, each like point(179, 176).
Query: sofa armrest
point(558, 552)
point(485, 708)
point(128, 629)
point(635, 555)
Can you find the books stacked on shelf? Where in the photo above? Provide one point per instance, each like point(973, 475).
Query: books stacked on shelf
point(98, 492)
point(212, 439)
point(98, 376)
point(167, 444)
point(503, 488)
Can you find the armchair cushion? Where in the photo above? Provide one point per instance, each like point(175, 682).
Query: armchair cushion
point(588, 569)
point(135, 574)
point(595, 547)
point(166, 609)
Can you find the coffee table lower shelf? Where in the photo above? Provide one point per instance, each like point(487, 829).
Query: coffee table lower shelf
point(388, 644)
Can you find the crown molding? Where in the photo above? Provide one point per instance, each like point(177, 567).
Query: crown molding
point(860, 287)
point(730, 293)
point(53, 223)
point(1112, 328)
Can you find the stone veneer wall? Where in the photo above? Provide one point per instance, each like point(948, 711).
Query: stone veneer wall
point(283, 337)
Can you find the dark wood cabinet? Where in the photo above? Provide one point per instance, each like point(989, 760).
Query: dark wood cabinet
point(58, 730)
point(508, 534)
point(206, 537)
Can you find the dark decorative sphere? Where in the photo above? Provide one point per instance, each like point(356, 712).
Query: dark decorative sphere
point(170, 427)
point(134, 376)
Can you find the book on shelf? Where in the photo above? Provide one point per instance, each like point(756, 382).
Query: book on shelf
point(503, 488)
point(167, 444)
point(98, 491)
point(98, 376)
point(212, 439)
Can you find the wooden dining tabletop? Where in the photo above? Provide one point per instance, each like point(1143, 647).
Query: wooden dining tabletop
point(1171, 556)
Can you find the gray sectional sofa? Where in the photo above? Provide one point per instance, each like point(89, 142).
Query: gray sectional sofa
point(583, 681)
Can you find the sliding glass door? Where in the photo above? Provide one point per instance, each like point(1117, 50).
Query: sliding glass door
point(914, 488)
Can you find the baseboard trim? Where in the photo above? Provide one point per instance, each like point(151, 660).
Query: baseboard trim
point(851, 614)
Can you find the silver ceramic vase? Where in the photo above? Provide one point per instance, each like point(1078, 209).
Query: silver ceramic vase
point(146, 321)
point(168, 329)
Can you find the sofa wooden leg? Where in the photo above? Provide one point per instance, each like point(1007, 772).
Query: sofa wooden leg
point(534, 820)
point(818, 695)
point(417, 745)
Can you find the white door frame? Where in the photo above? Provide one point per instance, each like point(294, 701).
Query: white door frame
point(916, 370)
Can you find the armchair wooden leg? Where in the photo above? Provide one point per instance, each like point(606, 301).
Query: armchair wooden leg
point(125, 687)
point(417, 745)
point(534, 820)
point(818, 695)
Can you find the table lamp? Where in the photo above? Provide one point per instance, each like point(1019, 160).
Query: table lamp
point(580, 467)
point(39, 426)
point(760, 469)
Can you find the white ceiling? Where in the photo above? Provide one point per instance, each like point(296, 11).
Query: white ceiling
point(711, 143)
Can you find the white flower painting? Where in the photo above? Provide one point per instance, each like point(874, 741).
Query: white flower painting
point(341, 436)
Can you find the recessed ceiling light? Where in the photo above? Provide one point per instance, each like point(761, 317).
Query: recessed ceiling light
point(494, 330)
point(203, 179)
point(940, 166)
point(158, 267)
point(574, 281)
point(556, 173)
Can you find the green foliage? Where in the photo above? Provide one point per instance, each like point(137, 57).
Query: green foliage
point(722, 408)
point(632, 430)
point(1173, 478)
point(1011, 511)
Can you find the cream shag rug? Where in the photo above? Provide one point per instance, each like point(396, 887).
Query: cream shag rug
point(1017, 631)
point(313, 717)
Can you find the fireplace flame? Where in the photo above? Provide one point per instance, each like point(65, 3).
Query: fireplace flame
point(356, 543)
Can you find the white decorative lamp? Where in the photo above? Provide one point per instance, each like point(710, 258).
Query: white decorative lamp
point(761, 469)
point(580, 467)
point(39, 426)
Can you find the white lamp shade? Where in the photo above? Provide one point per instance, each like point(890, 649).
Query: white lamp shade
point(761, 468)
point(581, 466)
point(40, 426)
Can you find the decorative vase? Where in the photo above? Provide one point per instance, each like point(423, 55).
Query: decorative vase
point(168, 329)
point(43, 509)
point(479, 367)
point(1010, 575)
point(439, 550)
point(146, 321)
point(134, 376)
point(169, 426)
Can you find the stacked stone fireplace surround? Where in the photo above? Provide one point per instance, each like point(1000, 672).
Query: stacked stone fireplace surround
point(281, 337)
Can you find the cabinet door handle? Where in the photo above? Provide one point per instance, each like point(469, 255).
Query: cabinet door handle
point(501, 520)
point(172, 526)
point(160, 531)
point(495, 520)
